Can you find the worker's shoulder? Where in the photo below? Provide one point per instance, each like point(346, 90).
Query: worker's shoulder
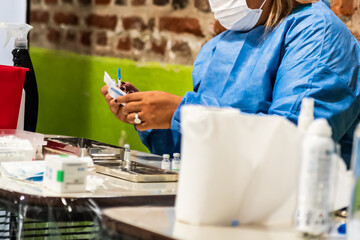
point(317, 18)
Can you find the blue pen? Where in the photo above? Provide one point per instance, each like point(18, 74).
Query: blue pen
point(119, 77)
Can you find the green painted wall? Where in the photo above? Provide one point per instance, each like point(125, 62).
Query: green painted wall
point(70, 102)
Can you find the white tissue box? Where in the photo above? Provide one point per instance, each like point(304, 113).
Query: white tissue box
point(65, 173)
point(15, 149)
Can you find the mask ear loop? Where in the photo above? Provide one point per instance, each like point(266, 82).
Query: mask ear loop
point(262, 4)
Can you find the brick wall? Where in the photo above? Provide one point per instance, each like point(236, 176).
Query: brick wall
point(170, 31)
point(349, 13)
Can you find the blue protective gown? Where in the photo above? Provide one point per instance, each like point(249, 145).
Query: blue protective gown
point(310, 54)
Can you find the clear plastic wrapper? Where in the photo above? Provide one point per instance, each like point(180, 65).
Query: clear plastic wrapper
point(27, 217)
point(36, 139)
point(15, 149)
point(20, 145)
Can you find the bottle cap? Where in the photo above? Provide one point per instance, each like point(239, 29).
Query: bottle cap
point(19, 31)
point(307, 107)
point(306, 115)
point(176, 154)
point(127, 146)
point(166, 156)
point(320, 127)
point(21, 43)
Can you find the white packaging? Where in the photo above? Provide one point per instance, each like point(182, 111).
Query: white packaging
point(314, 198)
point(15, 149)
point(36, 139)
point(242, 167)
point(29, 170)
point(236, 167)
point(65, 173)
point(113, 90)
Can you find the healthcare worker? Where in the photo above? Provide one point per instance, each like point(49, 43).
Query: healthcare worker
point(273, 54)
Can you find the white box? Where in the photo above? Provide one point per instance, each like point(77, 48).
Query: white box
point(65, 173)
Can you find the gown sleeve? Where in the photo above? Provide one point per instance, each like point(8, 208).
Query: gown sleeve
point(320, 59)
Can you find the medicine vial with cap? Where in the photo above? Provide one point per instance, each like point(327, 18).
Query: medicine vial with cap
point(127, 161)
point(175, 166)
point(314, 198)
point(165, 163)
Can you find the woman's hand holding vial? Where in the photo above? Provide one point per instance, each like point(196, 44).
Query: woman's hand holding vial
point(147, 110)
point(154, 109)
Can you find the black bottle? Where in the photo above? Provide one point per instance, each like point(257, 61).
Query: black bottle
point(22, 59)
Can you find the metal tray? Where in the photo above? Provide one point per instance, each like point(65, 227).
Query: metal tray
point(138, 172)
point(108, 159)
point(83, 147)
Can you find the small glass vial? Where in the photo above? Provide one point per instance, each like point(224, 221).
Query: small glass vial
point(165, 163)
point(175, 166)
point(126, 163)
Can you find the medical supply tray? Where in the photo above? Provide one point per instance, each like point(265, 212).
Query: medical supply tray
point(108, 159)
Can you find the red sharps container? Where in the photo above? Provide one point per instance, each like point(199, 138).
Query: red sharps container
point(11, 85)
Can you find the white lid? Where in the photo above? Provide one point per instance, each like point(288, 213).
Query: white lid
point(166, 156)
point(176, 154)
point(307, 107)
point(127, 146)
point(306, 115)
point(320, 127)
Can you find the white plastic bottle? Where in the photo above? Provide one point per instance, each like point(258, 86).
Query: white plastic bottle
point(353, 225)
point(306, 116)
point(314, 200)
point(165, 163)
point(176, 163)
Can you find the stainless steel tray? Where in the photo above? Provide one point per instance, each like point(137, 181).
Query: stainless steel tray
point(108, 159)
point(138, 172)
point(82, 147)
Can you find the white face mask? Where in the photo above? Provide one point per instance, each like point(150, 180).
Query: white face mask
point(235, 14)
